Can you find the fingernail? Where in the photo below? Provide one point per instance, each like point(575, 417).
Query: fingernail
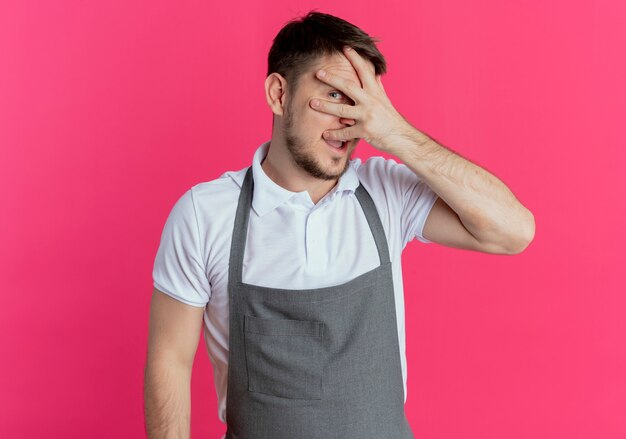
point(321, 73)
point(347, 48)
point(315, 103)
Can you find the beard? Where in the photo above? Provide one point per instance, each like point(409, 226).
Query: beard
point(304, 156)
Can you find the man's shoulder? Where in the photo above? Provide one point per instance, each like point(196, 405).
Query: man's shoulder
point(226, 185)
point(378, 171)
point(218, 194)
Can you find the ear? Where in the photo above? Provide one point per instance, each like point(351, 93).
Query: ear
point(275, 89)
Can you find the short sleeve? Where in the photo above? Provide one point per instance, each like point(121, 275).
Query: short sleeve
point(418, 200)
point(179, 270)
point(408, 196)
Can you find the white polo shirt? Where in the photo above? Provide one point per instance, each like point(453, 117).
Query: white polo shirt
point(291, 242)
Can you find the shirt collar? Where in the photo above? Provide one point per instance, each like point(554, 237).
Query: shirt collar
point(268, 195)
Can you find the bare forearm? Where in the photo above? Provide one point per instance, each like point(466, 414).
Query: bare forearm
point(485, 205)
point(167, 401)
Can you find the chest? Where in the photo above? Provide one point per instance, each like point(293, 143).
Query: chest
point(297, 248)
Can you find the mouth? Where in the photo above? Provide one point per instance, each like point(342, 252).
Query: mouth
point(337, 145)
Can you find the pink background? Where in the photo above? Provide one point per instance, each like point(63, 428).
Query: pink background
point(110, 110)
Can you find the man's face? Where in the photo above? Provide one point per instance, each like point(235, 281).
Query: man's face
point(303, 126)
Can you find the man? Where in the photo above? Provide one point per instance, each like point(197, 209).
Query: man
point(294, 262)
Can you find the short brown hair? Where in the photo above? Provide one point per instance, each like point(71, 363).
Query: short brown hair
point(302, 41)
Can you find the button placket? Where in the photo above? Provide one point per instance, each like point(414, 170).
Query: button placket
point(315, 241)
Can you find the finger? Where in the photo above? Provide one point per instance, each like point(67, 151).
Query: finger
point(342, 134)
point(350, 88)
point(364, 69)
point(341, 110)
point(380, 81)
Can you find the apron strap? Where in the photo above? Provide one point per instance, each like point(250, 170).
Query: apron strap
point(373, 219)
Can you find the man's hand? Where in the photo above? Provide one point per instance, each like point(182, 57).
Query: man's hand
point(477, 207)
point(372, 117)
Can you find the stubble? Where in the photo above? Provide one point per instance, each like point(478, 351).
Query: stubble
point(304, 156)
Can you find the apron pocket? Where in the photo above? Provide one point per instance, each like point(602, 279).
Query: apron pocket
point(284, 357)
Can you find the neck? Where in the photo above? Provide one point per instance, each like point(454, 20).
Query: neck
point(282, 170)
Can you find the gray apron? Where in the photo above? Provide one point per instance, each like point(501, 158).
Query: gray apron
point(315, 363)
